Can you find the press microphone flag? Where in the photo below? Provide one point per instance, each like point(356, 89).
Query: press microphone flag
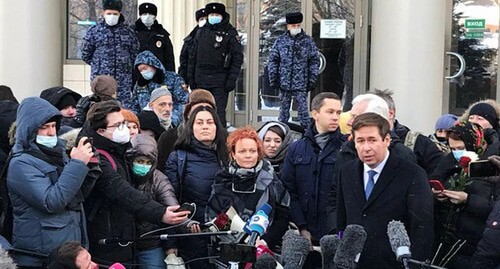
point(351, 246)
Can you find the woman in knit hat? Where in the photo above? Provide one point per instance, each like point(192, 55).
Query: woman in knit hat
point(132, 122)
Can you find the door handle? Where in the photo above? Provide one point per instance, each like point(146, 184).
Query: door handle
point(462, 65)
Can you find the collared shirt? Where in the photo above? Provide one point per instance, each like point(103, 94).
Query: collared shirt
point(377, 169)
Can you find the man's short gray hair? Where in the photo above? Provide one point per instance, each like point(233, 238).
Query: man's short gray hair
point(375, 104)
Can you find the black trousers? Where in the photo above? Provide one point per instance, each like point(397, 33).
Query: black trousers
point(221, 97)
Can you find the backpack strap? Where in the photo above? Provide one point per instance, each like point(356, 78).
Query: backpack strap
point(108, 156)
point(181, 169)
point(411, 139)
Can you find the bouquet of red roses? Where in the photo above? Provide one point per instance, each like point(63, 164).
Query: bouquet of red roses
point(462, 181)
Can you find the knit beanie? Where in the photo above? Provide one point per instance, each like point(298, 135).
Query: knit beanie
point(487, 112)
point(129, 116)
point(104, 85)
point(159, 92)
point(445, 122)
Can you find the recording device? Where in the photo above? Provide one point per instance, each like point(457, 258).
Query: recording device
point(294, 250)
point(329, 245)
point(117, 266)
point(482, 168)
point(258, 223)
point(400, 245)
point(186, 207)
point(351, 246)
point(436, 185)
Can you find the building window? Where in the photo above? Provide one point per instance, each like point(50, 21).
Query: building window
point(82, 14)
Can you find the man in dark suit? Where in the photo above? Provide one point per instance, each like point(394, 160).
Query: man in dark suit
point(380, 187)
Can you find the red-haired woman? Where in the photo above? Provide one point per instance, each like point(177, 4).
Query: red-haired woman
point(248, 183)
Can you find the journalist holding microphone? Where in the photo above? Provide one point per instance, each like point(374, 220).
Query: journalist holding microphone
point(248, 183)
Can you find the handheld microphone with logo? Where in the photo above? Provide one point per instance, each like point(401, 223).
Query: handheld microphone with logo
point(117, 266)
point(351, 246)
point(294, 250)
point(400, 242)
point(400, 245)
point(329, 245)
point(258, 223)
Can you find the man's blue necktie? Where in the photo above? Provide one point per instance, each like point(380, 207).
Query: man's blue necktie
point(370, 184)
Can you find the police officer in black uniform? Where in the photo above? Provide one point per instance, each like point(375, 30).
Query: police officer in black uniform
point(216, 57)
point(201, 20)
point(153, 37)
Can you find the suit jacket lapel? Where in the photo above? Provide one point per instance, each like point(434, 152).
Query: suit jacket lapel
point(387, 176)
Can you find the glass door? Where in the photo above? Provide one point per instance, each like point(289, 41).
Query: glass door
point(473, 62)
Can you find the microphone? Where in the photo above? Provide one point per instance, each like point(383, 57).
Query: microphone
point(258, 223)
point(400, 242)
point(294, 250)
point(351, 246)
point(329, 244)
point(117, 266)
point(265, 261)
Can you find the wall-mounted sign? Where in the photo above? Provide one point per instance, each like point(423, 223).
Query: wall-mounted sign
point(333, 29)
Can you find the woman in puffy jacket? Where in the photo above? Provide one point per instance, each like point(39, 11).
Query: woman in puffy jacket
point(200, 152)
point(154, 184)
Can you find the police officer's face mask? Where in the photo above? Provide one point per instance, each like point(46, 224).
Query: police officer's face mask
point(202, 22)
point(148, 19)
point(214, 19)
point(111, 19)
point(295, 31)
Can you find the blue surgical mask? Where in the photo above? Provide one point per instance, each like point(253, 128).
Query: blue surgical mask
point(48, 141)
point(214, 19)
point(141, 169)
point(148, 74)
point(458, 154)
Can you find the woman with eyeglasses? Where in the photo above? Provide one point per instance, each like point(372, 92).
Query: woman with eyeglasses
point(249, 182)
point(199, 153)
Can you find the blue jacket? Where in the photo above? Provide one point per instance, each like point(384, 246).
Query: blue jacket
point(41, 196)
point(111, 50)
point(307, 175)
point(293, 63)
point(143, 88)
point(200, 167)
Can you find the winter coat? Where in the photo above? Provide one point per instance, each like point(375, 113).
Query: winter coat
point(8, 110)
point(487, 255)
point(427, 153)
point(157, 40)
point(194, 183)
point(268, 189)
point(155, 184)
point(290, 137)
point(84, 104)
point(307, 175)
point(143, 88)
point(114, 204)
point(185, 51)
point(215, 66)
point(111, 50)
point(47, 209)
point(54, 96)
point(293, 63)
point(465, 221)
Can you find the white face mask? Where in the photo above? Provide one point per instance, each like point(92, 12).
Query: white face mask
point(295, 31)
point(111, 19)
point(148, 19)
point(121, 136)
point(202, 22)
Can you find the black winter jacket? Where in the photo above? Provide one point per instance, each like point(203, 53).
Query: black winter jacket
point(114, 204)
point(185, 51)
point(487, 255)
point(157, 40)
point(216, 57)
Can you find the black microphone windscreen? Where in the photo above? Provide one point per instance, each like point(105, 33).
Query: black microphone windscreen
point(398, 238)
point(329, 244)
point(294, 250)
point(350, 247)
point(265, 261)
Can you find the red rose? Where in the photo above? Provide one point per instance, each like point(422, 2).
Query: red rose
point(464, 162)
point(221, 221)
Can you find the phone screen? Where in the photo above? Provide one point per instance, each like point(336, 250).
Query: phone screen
point(482, 168)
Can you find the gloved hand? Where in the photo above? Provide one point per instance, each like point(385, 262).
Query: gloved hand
point(174, 262)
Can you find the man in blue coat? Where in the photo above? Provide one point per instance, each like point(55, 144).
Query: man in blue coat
point(293, 68)
point(309, 165)
point(45, 186)
point(110, 48)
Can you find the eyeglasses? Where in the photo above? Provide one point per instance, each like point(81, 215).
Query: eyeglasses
point(120, 125)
